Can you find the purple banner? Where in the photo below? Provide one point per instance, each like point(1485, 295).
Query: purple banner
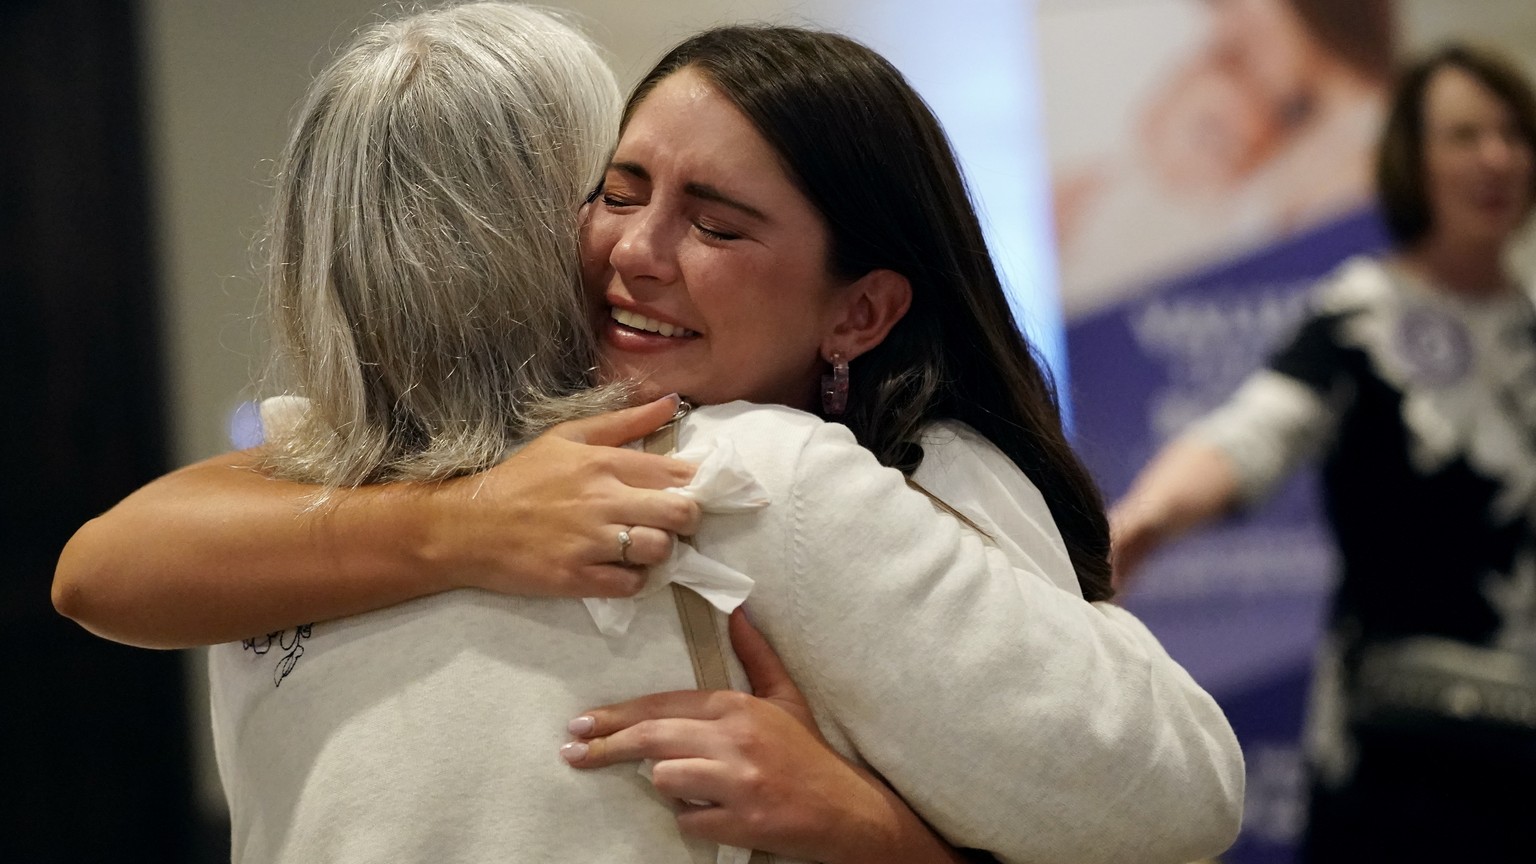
point(1239, 604)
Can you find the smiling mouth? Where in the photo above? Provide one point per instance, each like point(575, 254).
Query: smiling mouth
point(636, 321)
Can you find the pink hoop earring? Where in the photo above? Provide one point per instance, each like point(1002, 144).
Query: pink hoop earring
point(834, 387)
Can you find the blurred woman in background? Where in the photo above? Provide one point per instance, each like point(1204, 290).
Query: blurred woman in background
point(1414, 378)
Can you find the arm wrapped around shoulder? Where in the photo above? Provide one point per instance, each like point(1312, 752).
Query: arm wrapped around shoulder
point(1014, 716)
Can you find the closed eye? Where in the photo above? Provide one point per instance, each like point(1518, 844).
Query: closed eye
point(612, 200)
point(716, 235)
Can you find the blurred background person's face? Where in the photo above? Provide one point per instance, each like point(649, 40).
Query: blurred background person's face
point(1477, 164)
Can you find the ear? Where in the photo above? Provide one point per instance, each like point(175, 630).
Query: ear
point(871, 306)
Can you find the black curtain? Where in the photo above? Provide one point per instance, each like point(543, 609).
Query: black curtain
point(93, 737)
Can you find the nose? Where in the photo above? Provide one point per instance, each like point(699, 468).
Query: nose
point(646, 249)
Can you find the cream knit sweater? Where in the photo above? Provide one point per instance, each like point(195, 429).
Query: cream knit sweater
point(1014, 716)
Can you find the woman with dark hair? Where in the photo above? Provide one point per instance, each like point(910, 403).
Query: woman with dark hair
point(956, 354)
point(1412, 377)
point(730, 258)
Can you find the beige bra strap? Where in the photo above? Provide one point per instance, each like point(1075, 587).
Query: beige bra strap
point(704, 648)
point(696, 615)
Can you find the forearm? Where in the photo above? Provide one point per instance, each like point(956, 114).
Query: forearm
point(217, 552)
point(895, 835)
point(1188, 483)
point(1075, 708)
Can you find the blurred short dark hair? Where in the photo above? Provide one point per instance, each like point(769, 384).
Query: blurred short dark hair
point(1400, 156)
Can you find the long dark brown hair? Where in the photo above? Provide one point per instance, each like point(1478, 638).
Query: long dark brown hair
point(869, 154)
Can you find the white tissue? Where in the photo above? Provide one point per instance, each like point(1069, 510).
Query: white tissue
point(721, 484)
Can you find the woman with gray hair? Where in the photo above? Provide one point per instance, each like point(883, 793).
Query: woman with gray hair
point(423, 299)
point(421, 259)
point(430, 727)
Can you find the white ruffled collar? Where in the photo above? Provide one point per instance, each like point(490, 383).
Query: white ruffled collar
point(1457, 362)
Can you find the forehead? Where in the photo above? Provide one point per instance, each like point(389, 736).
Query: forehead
point(686, 124)
point(1455, 96)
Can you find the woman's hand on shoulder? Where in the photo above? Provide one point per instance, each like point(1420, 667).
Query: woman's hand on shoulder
point(547, 521)
point(751, 770)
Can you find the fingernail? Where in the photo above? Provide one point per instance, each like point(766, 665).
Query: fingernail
point(582, 725)
point(573, 752)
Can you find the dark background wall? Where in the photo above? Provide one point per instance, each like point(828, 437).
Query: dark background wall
point(92, 734)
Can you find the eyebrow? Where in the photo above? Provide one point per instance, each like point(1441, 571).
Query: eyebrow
point(702, 191)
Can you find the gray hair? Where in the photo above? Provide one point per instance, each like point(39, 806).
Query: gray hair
point(423, 256)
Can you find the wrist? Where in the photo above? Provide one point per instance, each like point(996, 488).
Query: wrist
point(887, 831)
point(1157, 517)
point(1140, 515)
point(427, 521)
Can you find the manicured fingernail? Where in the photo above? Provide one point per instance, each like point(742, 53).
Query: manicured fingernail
point(582, 725)
point(573, 752)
